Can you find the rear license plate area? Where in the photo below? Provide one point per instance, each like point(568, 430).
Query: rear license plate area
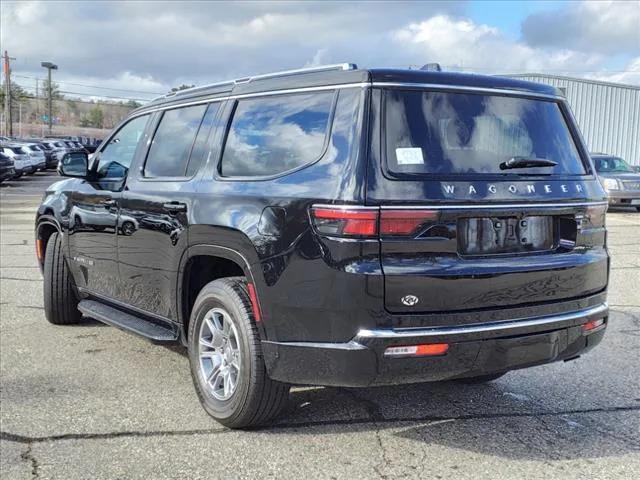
point(505, 235)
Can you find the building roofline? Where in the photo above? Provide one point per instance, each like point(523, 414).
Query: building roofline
point(573, 79)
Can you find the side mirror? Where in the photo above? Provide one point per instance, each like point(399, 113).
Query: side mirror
point(74, 164)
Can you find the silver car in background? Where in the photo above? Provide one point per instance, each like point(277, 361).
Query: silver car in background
point(36, 153)
point(619, 179)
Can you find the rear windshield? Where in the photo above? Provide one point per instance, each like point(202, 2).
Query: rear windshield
point(444, 133)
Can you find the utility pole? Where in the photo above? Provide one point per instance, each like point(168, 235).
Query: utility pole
point(37, 101)
point(49, 66)
point(8, 121)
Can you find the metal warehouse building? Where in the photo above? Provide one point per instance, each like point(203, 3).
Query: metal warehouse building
point(608, 113)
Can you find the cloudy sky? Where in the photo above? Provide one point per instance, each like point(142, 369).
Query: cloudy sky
point(138, 49)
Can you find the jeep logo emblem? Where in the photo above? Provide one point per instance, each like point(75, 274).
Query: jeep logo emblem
point(409, 300)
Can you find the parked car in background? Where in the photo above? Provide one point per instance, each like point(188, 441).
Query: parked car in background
point(7, 169)
point(37, 155)
point(23, 163)
point(49, 150)
point(619, 179)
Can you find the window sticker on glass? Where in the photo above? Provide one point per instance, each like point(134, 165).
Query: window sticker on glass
point(409, 156)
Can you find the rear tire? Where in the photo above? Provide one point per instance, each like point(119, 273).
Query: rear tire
point(481, 378)
point(253, 398)
point(60, 300)
point(638, 209)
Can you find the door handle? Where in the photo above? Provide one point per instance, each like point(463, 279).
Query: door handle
point(175, 207)
point(109, 203)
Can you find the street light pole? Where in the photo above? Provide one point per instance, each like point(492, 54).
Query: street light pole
point(49, 66)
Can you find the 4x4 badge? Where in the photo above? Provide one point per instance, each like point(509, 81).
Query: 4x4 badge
point(409, 300)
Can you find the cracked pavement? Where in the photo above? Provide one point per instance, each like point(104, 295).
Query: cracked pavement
point(89, 401)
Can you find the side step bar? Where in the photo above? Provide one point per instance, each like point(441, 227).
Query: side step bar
point(128, 322)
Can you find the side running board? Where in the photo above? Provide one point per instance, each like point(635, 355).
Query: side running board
point(129, 323)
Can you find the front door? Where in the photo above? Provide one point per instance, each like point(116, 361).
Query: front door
point(93, 216)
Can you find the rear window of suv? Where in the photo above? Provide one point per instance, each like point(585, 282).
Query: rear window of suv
point(443, 133)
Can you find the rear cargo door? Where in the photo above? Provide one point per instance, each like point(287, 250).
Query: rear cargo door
point(459, 230)
point(485, 256)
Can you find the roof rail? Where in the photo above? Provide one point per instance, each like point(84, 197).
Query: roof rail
point(284, 73)
point(299, 71)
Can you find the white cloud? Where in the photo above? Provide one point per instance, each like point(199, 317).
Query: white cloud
point(609, 27)
point(630, 74)
point(151, 46)
point(482, 48)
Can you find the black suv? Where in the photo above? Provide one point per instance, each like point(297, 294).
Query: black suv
point(336, 226)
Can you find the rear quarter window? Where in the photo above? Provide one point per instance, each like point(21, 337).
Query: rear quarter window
point(442, 133)
point(272, 135)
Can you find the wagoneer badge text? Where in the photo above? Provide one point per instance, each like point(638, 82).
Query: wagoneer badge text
point(529, 188)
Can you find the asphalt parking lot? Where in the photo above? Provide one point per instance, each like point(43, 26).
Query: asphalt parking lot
point(89, 401)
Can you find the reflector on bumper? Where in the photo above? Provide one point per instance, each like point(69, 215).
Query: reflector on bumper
point(424, 350)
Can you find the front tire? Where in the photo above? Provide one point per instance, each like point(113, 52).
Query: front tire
point(225, 354)
point(60, 299)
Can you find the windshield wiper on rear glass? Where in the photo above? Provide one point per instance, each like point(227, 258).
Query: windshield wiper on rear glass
point(525, 162)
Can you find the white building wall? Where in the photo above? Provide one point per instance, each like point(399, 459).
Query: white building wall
point(608, 113)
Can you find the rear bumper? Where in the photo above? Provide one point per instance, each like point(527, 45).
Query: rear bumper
point(624, 198)
point(474, 350)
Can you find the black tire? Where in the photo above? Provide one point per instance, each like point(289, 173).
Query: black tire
point(638, 209)
point(257, 399)
point(481, 378)
point(60, 299)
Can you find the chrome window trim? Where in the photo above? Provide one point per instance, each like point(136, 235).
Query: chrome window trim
point(435, 86)
point(252, 95)
point(463, 88)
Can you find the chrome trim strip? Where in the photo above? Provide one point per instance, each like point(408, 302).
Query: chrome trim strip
point(491, 206)
point(352, 345)
point(439, 86)
point(344, 207)
point(483, 328)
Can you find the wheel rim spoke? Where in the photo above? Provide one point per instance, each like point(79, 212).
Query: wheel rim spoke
point(219, 354)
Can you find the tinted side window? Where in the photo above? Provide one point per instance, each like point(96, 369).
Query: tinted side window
point(275, 134)
point(116, 157)
point(200, 147)
point(172, 142)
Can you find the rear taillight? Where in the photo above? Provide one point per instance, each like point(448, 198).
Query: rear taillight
point(404, 222)
point(346, 221)
point(366, 222)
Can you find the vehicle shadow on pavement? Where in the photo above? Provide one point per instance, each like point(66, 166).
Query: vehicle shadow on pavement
point(484, 419)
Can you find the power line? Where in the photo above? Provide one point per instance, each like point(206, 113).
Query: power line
point(92, 86)
point(94, 95)
point(33, 97)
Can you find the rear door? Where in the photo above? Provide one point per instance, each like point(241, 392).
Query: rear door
point(156, 207)
point(461, 233)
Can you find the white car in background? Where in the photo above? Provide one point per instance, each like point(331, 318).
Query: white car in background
point(23, 164)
